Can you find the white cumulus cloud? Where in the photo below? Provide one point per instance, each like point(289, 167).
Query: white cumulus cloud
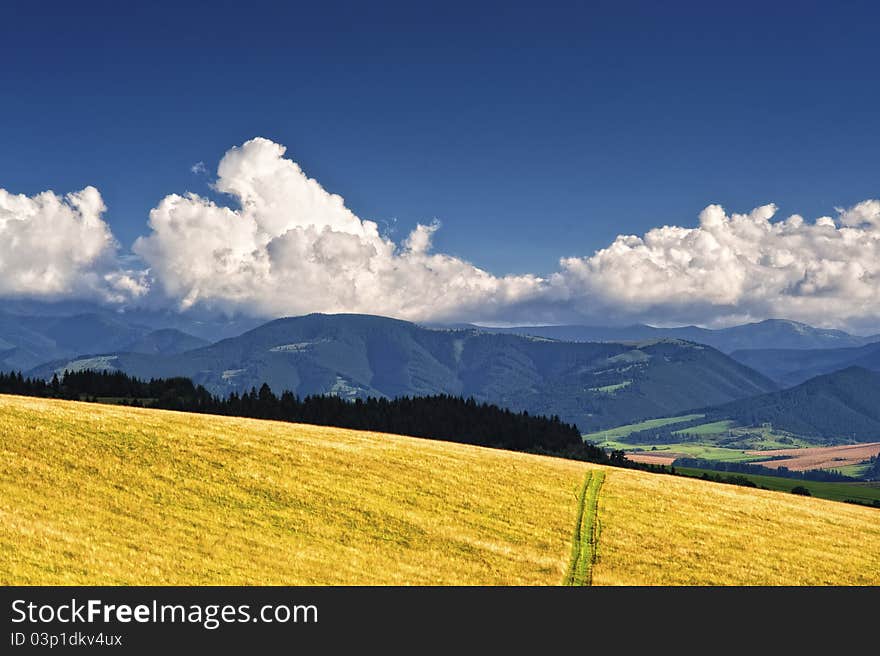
point(736, 267)
point(291, 247)
point(286, 246)
point(53, 246)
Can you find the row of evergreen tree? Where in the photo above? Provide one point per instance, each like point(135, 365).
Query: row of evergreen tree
point(668, 434)
point(873, 473)
point(440, 417)
point(822, 475)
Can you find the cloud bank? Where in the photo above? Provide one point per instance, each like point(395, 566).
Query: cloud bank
point(59, 247)
point(293, 248)
point(739, 267)
point(286, 246)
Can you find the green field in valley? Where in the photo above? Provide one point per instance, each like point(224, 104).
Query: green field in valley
point(863, 492)
point(722, 441)
point(623, 431)
point(689, 449)
point(713, 428)
point(856, 471)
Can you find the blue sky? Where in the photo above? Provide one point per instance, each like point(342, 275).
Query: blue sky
point(532, 131)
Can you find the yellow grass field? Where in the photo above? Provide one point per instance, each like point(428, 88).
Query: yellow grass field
point(100, 494)
point(670, 530)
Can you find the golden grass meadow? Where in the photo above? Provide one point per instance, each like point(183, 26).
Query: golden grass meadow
point(97, 494)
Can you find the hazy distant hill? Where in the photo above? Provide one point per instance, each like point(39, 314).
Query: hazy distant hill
point(33, 340)
point(791, 367)
point(591, 384)
point(844, 404)
point(21, 347)
point(204, 324)
point(772, 333)
point(167, 342)
point(33, 333)
point(29, 341)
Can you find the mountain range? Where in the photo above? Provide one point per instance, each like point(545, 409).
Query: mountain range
point(844, 405)
point(28, 341)
point(591, 384)
point(33, 333)
point(769, 334)
point(595, 377)
point(792, 366)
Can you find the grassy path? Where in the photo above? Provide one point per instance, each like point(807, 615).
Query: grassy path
point(586, 532)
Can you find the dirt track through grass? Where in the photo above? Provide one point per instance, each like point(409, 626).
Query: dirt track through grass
point(585, 543)
point(96, 494)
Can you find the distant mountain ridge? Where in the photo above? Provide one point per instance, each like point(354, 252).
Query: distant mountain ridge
point(792, 367)
point(33, 333)
point(768, 334)
point(28, 341)
point(166, 341)
point(593, 385)
point(37, 332)
point(842, 405)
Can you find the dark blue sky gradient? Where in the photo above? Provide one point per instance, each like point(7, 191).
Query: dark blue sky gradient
point(532, 131)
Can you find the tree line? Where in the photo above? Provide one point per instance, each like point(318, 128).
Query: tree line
point(441, 416)
point(821, 475)
point(873, 473)
point(668, 434)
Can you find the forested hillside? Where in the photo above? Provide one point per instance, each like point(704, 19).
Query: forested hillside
point(592, 385)
point(842, 405)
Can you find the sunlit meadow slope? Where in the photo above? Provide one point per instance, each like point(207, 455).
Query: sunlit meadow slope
point(98, 494)
point(93, 494)
point(670, 530)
